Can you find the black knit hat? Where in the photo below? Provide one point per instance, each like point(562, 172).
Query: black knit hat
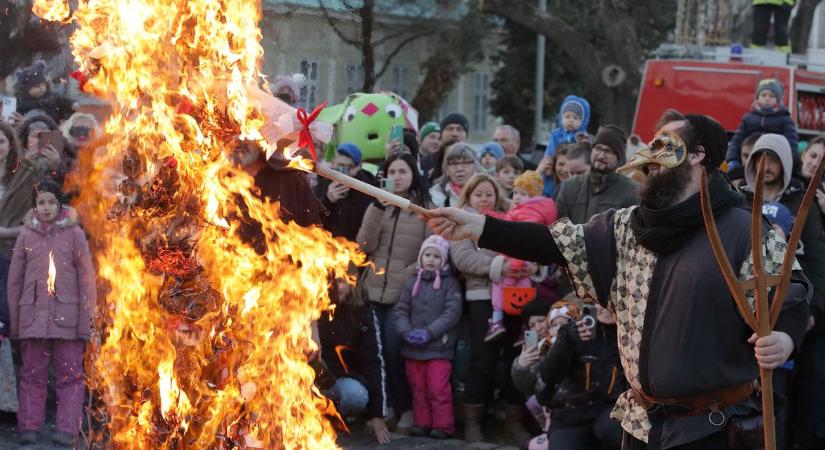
point(711, 136)
point(613, 137)
point(537, 307)
point(455, 118)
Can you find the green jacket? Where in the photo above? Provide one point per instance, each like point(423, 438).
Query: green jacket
point(577, 201)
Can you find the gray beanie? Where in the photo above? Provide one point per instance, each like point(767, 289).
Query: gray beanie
point(773, 85)
point(779, 146)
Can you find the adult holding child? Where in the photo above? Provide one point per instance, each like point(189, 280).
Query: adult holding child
point(481, 195)
point(391, 239)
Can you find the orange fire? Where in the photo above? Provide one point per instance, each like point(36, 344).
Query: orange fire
point(201, 341)
point(55, 11)
point(52, 274)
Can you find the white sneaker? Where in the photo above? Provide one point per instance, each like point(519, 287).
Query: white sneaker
point(405, 423)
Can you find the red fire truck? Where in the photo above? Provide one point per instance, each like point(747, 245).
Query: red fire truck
point(725, 90)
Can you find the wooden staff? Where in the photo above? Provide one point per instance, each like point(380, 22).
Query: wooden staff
point(762, 318)
point(368, 189)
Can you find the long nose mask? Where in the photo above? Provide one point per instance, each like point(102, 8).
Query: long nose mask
point(667, 149)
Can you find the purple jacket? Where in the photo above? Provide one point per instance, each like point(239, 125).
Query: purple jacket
point(33, 312)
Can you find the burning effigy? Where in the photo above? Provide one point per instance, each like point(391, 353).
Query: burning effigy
point(200, 341)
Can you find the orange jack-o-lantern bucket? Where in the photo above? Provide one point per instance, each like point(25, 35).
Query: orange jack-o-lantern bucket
point(515, 298)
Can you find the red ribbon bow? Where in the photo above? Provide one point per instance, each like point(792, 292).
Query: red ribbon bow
point(305, 139)
point(81, 78)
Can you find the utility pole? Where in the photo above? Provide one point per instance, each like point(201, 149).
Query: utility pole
point(539, 86)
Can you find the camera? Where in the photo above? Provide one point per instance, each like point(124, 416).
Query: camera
point(589, 316)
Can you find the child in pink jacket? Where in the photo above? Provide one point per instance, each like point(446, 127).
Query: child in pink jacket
point(51, 317)
point(529, 206)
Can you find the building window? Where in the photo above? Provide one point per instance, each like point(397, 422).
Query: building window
point(481, 88)
point(309, 92)
point(355, 78)
point(399, 81)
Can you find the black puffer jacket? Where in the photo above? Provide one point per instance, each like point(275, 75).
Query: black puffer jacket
point(584, 377)
point(350, 348)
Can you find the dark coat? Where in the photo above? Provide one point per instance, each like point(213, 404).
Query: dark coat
point(344, 217)
point(811, 254)
point(577, 201)
point(583, 376)
point(437, 311)
point(58, 107)
point(350, 348)
point(763, 121)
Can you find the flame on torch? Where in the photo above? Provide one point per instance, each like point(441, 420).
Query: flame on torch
point(52, 274)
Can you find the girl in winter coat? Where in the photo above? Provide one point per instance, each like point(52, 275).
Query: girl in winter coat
point(426, 317)
point(391, 238)
point(530, 206)
point(482, 194)
point(51, 295)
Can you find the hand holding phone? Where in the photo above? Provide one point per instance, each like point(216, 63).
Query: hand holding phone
point(396, 134)
point(51, 138)
point(531, 339)
point(387, 184)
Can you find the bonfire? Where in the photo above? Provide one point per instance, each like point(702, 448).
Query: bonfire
point(199, 342)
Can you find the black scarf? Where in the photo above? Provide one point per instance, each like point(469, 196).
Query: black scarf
point(666, 230)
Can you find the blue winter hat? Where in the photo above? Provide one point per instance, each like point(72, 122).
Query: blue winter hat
point(573, 106)
point(779, 214)
point(351, 151)
point(493, 148)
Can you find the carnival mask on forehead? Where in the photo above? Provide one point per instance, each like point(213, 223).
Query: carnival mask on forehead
point(666, 149)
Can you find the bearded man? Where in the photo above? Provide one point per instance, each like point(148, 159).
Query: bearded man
point(582, 197)
point(687, 353)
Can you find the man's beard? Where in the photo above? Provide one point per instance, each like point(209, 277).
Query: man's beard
point(603, 168)
point(660, 190)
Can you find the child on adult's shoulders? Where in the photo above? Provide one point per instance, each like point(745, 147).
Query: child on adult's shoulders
point(767, 115)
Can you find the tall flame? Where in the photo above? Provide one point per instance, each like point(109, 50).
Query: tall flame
point(52, 274)
point(201, 341)
point(56, 11)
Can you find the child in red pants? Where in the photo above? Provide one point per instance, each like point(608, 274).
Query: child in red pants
point(51, 315)
point(426, 317)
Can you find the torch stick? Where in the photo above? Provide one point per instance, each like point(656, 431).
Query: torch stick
point(370, 190)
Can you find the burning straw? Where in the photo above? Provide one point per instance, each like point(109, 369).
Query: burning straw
point(200, 342)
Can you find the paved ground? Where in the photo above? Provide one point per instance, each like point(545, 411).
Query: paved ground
point(359, 440)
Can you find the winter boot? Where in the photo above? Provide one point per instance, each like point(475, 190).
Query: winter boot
point(472, 422)
point(513, 423)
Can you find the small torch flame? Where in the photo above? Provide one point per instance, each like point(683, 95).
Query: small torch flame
point(52, 274)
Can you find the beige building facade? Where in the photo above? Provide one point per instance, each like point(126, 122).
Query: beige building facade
point(297, 38)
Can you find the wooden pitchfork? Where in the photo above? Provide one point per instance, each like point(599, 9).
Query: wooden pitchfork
point(762, 318)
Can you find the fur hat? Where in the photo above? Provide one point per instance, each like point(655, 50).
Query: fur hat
point(31, 76)
point(289, 85)
point(531, 182)
point(443, 247)
point(773, 85)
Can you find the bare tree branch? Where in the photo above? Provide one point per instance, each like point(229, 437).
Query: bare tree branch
point(379, 42)
point(334, 25)
point(397, 50)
